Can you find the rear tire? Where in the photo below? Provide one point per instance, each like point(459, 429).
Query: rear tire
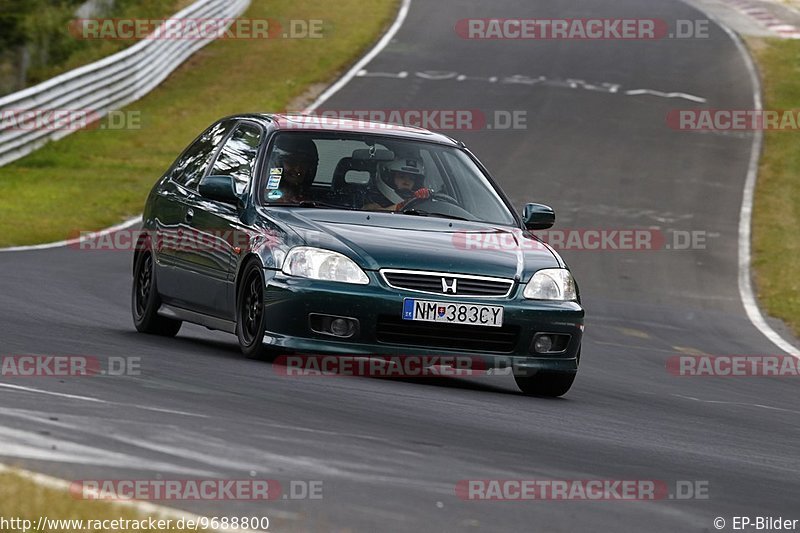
point(145, 301)
point(251, 319)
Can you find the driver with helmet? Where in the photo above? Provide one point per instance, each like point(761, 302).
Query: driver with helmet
point(398, 182)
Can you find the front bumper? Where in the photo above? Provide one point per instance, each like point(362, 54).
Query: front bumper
point(289, 301)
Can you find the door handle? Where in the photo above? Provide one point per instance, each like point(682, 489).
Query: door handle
point(189, 214)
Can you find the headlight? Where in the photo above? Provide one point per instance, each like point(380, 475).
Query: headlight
point(551, 284)
point(315, 263)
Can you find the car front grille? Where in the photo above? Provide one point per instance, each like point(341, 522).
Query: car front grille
point(393, 330)
point(441, 283)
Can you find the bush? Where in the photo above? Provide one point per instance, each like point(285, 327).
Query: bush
point(36, 43)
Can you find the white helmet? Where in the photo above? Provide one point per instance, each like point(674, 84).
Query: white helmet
point(409, 167)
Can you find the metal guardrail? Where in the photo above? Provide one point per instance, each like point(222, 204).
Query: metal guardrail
point(104, 85)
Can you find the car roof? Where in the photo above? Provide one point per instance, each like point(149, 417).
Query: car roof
point(321, 123)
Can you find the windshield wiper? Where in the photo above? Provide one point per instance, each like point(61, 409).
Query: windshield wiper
point(420, 213)
point(314, 204)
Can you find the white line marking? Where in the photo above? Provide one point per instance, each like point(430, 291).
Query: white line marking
point(518, 79)
point(162, 410)
point(784, 28)
point(746, 213)
point(722, 402)
point(746, 218)
point(691, 97)
point(365, 74)
point(358, 67)
point(33, 445)
point(89, 236)
point(50, 393)
point(98, 400)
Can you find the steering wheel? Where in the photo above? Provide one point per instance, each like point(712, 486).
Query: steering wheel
point(411, 204)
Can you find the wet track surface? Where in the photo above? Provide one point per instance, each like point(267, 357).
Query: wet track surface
point(390, 452)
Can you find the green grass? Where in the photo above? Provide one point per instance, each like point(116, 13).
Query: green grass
point(776, 219)
point(96, 178)
point(23, 499)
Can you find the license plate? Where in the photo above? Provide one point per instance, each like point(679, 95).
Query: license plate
point(452, 313)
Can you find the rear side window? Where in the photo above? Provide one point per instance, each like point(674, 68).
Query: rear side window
point(192, 165)
point(331, 153)
point(238, 157)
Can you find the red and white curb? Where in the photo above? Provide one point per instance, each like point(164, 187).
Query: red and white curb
point(766, 18)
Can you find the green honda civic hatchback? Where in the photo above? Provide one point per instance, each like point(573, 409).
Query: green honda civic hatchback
point(308, 236)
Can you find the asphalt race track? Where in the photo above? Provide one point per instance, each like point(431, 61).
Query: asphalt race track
point(390, 452)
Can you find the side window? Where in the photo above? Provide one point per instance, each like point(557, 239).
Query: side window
point(193, 164)
point(238, 157)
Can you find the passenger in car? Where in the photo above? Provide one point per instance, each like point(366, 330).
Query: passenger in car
point(292, 169)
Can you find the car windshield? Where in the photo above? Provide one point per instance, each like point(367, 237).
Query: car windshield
point(376, 173)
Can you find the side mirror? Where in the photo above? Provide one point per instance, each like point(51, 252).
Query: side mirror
point(538, 216)
point(219, 188)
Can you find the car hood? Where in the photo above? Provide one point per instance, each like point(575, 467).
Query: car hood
point(384, 240)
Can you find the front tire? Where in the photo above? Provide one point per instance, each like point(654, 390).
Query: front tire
point(546, 384)
point(251, 319)
point(145, 301)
